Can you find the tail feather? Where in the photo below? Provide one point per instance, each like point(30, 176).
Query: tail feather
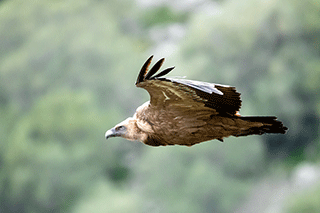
point(270, 125)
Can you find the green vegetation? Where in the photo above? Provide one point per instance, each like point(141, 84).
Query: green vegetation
point(67, 73)
point(307, 201)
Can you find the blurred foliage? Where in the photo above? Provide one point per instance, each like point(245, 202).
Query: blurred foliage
point(67, 73)
point(307, 201)
point(161, 16)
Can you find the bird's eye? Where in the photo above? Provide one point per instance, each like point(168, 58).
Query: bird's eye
point(120, 128)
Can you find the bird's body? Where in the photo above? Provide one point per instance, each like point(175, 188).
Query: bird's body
point(186, 112)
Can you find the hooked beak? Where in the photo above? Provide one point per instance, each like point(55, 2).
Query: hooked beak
point(111, 133)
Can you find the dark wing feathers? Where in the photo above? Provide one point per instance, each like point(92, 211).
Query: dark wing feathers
point(144, 70)
point(229, 102)
point(224, 99)
point(154, 69)
point(162, 73)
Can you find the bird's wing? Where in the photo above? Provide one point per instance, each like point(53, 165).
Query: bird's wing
point(175, 92)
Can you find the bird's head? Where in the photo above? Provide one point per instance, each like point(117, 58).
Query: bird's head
point(126, 129)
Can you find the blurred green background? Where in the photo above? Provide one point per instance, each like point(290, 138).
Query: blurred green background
point(67, 73)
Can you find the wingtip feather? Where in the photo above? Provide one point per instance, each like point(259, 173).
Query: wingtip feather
point(162, 73)
point(154, 69)
point(144, 70)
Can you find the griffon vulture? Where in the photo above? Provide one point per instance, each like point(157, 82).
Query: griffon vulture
point(187, 112)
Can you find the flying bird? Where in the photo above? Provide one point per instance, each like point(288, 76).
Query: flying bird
point(188, 112)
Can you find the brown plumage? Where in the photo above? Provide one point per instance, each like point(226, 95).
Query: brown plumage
point(186, 112)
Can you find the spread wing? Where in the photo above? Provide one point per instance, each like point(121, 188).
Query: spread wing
point(173, 92)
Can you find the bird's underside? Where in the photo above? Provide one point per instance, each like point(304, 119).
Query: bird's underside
point(201, 125)
point(187, 112)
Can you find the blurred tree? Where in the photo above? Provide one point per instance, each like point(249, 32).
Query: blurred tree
point(271, 47)
point(306, 201)
point(56, 64)
point(163, 15)
point(51, 152)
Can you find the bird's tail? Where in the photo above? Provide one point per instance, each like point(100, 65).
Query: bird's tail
point(262, 125)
